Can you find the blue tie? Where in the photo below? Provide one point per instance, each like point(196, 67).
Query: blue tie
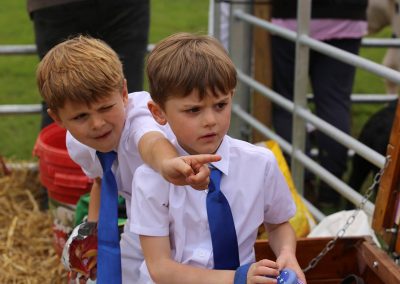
point(222, 227)
point(109, 253)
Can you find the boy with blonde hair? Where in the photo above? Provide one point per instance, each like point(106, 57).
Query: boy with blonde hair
point(184, 240)
point(82, 82)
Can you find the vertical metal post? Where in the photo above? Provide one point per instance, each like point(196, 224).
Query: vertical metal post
point(240, 39)
point(300, 91)
point(214, 19)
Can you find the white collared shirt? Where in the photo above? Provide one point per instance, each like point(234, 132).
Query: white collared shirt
point(252, 183)
point(138, 122)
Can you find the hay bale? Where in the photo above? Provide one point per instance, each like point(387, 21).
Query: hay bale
point(26, 240)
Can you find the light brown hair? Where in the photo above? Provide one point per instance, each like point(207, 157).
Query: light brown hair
point(81, 70)
point(184, 62)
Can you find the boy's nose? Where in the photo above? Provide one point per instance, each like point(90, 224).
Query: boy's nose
point(97, 122)
point(209, 118)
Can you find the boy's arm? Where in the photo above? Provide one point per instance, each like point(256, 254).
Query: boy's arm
point(163, 269)
point(93, 216)
point(158, 152)
point(94, 204)
point(282, 240)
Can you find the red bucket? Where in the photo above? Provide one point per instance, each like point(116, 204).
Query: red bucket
point(63, 178)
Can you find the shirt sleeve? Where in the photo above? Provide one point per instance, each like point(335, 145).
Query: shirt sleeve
point(84, 156)
point(280, 206)
point(139, 118)
point(150, 203)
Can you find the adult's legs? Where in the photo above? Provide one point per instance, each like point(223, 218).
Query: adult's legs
point(332, 83)
point(123, 24)
point(55, 24)
point(126, 30)
point(283, 52)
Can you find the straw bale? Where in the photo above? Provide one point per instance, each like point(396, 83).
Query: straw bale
point(26, 240)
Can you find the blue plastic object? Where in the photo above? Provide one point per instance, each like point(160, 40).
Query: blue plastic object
point(287, 276)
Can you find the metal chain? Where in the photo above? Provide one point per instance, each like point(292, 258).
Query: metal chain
point(352, 217)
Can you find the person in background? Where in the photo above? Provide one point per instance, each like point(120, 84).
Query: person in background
point(122, 24)
point(342, 24)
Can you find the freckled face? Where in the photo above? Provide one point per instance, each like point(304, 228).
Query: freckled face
point(99, 125)
point(199, 125)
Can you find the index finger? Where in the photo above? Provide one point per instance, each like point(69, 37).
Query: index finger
point(203, 158)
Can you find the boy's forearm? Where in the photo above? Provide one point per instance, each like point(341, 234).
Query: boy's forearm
point(172, 272)
point(282, 238)
point(94, 202)
point(154, 148)
point(163, 269)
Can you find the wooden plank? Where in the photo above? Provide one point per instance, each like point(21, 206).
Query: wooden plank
point(350, 255)
point(378, 262)
point(385, 204)
point(334, 266)
point(261, 106)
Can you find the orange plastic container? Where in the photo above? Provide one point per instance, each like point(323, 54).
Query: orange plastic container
point(63, 178)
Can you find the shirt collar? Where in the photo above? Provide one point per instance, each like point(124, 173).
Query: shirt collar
point(93, 155)
point(223, 151)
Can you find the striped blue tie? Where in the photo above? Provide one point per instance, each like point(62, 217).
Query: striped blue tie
point(109, 252)
point(222, 227)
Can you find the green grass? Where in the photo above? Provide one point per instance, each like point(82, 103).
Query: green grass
point(17, 73)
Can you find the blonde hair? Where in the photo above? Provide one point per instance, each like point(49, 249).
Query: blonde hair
point(184, 62)
point(80, 70)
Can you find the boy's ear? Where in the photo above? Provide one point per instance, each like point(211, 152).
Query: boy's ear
point(125, 93)
point(55, 117)
point(157, 112)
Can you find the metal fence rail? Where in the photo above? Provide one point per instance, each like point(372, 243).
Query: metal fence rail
point(299, 110)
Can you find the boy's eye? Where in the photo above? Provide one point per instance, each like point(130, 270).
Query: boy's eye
point(221, 105)
point(105, 108)
point(193, 110)
point(80, 116)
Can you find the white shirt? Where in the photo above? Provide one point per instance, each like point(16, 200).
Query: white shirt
point(138, 122)
point(252, 183)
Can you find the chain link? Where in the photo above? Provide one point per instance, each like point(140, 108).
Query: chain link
point(352, 217)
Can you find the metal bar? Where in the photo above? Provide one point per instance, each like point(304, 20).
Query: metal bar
point(324, 48)
point(26, 49)
point(345, 139)
point(23, 49)
point(352, 59)
point(380, 42)
point(240, 52)
point(318, 215)
point(31, 166)
point(302, 55)
point(367, 98)
point(20, 109)
point(237, 109)
point(337, 184)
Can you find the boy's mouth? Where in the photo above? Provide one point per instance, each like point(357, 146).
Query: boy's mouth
point(209, 136)
point(102, 136)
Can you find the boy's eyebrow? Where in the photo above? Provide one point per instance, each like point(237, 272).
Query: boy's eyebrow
point(190, 105)
point(222, 98)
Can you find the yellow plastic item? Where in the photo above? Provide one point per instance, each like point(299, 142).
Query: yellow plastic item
point(302, 222)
